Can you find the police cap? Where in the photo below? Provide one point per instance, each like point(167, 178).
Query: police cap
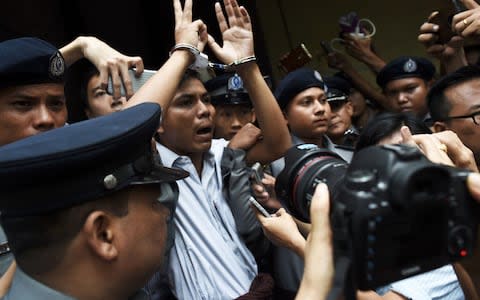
point(29, 61)
point(81, 162)
point(296, 82)
point(338, 88)
point(227, 89)
point(405, 66)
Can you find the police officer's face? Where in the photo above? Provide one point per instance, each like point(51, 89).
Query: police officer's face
point(341, 120)
point(308, 114)
point(229, 119)
point(187, 126)
point(143, 234)
point(408, 95)
point(30, 109)
point(99, 102)
point(464, 99)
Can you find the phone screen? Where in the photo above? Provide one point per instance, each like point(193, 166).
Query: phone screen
point(137, 82)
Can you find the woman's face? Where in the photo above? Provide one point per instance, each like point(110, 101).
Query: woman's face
point(100, 103)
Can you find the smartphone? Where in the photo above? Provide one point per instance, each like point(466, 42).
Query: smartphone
point(443, 19)
point(259, 207)
point(295, 59)
point(137, 82)
point(257, 173)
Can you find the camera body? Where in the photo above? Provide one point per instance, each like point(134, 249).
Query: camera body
point(393, 212)
point(443, 18)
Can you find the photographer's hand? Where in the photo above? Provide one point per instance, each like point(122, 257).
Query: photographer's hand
point(107, 60)
point(450, 55)
point(319, 270)
point(442, 147)
point(467, 23)
point(473, 184)
point(430, 146)
point(282, 231)
point(266, 194)
point(460, 154)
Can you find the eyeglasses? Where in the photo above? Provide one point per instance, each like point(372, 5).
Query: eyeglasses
point(475, 117)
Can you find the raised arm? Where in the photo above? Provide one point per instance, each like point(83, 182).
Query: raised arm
point(361, 49)
point(339, 61)
point(236, 29)
point(107, 60)
point(189, 35)
point(450, 54)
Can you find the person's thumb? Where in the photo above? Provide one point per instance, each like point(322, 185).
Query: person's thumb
point(473, 184)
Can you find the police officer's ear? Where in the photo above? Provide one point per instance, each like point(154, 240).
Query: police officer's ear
point(100, 235)
point(349, 108)
point(429, 83)
point(254, 116)
point(439, 126)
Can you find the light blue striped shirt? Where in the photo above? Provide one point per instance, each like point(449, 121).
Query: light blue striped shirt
point(209, 260)
point(438, 284)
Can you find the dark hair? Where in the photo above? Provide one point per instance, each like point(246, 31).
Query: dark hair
point(76, 89)
point(39, 242)
point(385, 124)
point(438, 104)
point(189, 74)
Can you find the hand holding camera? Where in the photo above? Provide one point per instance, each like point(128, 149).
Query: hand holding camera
point(450, 52)
point(263, 188)
point(394, 213)
point(467, 21)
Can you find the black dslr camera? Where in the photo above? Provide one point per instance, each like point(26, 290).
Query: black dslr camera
point(393, 212)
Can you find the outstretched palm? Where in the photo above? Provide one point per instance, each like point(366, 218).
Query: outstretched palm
point(237, 33)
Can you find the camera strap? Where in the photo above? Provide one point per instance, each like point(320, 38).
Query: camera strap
point(343, 280)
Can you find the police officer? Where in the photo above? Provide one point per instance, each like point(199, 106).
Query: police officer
point(341, 129)
point(82, 208)
point(233, 108)
point(405, 81)
point(31, 91)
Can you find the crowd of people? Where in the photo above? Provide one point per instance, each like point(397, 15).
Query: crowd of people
point(146, 194)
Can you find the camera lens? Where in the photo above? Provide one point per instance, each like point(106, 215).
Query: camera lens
point(307, 165)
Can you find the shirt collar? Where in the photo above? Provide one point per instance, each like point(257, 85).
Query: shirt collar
point(168, 157)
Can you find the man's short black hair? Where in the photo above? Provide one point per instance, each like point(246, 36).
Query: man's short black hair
point(38, 242)
point(385, 124)
point(438, 103)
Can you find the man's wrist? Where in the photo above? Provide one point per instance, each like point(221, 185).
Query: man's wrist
point(246, 69)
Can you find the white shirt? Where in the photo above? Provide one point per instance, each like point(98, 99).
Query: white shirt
point(208, 260)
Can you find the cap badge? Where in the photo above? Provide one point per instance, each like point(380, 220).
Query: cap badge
point(410, 66)
point(318, 76)
point(57, 65)
point(235, 83)
point(110, 182)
